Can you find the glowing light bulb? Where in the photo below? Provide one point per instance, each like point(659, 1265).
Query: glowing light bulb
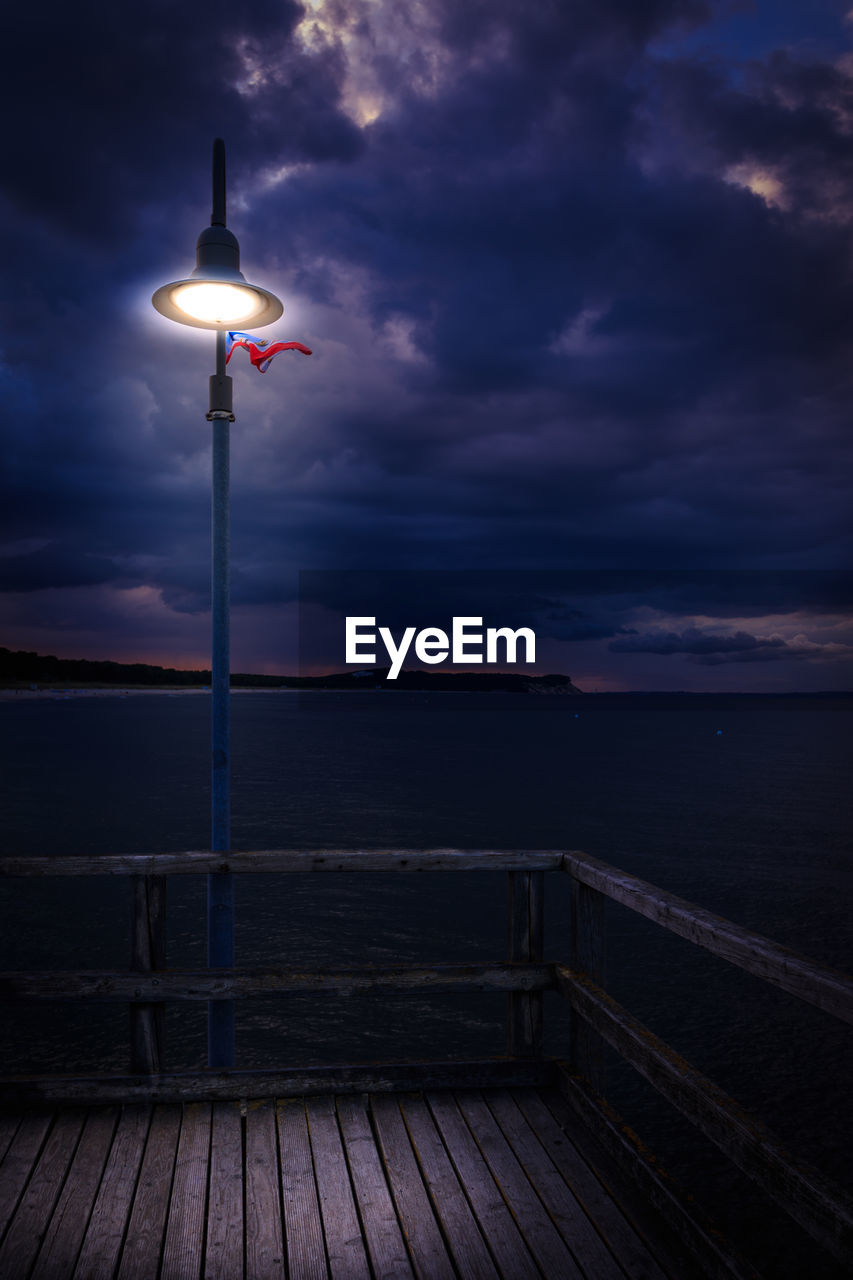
point(215, 303)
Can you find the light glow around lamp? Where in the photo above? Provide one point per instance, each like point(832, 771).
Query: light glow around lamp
point(217, 304)
point(217, 295)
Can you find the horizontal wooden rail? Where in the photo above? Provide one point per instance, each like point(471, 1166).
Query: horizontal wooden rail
point(371, 1077)
point(805, 1193)
point(222, 984)
point(817, 984)
point(274, 861)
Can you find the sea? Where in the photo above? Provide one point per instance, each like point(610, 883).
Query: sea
point(741, 804)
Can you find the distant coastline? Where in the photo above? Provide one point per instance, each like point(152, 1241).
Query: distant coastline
point(36, 674)
point(26, 676)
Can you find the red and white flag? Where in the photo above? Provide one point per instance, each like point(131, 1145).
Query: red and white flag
point(261, 350)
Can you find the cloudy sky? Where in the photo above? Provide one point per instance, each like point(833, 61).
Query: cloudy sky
point(577, 278)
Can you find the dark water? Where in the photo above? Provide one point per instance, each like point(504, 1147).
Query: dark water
point(743, 805)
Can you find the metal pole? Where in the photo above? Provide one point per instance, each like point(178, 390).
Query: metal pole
point(220, 885)
point(217, 217)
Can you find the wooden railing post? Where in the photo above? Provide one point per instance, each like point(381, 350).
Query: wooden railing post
point(526, 942)
point(147, 954)
point(587, 955)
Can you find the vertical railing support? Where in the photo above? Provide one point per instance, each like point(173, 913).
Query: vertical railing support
point(147, 954)
point(526, 942)
point(587, 955)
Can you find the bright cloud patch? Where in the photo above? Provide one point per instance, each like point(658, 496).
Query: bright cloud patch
point(377, 41)
point(760, 181)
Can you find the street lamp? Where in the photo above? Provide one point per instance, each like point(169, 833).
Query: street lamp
point(217, 296)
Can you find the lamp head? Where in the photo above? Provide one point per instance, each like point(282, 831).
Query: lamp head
point(217, 294)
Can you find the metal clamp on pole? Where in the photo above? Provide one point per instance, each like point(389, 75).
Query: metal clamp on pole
point(220, 397)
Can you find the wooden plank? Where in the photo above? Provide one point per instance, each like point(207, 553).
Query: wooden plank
point(493, 1217)
point(827, 988)
point(466, 1244)
point(525, 944)
point(140, 1257)
point(19, 1162)
point(541, 1236)
point(557, 1195)
point(66, 1229)
point(8, 1128)
point(22, 1240)
point(184, 1245)
point(268, 861)
point(105, 1230)
point(717, 1259)
point(810, 1198)
point(303, 1228)
point(341, 1227)
point(204, 984)
point(147, 954)
point(587, 944)
point(217, 1085)
point(599, 1205)
point(264, 1244)
point(223, 1258)
point(428, 1252)
point(386, 1247)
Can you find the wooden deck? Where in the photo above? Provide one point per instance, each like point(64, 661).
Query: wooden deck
point(432, 1185)
point(414, 1168)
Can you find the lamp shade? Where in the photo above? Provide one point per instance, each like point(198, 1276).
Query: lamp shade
point(217, 295)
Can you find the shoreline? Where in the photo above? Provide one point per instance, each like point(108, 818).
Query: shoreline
point(71, 692)
point(62, 692)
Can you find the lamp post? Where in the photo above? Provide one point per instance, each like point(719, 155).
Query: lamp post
point(217, 296)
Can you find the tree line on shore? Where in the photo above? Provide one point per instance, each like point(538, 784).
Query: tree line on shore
point(23, 668)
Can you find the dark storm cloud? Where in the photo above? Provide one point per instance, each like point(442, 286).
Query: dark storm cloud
point(583, 604)
point(728, 593)
point(589, 606)
point(53, 567)
point(563, 607)
point(790, 120)
point(120, 102)
point(696, 643)
point(635, 357)
point(576, 299)
point(761, 653)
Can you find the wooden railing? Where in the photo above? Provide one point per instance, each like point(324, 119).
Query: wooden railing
point(809, 1197)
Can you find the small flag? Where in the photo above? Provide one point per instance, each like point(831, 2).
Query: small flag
point(261, 350)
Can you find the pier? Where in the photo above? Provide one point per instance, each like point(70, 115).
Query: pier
point(510, 1166)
